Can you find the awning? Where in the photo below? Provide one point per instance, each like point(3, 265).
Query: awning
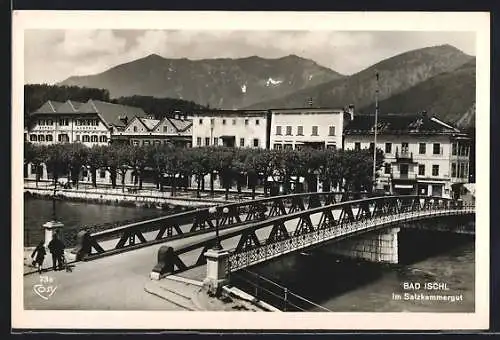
point(403, 186)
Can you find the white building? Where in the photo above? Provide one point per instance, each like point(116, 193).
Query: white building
point(423, 155)
point(312, 127)
point(232, 128)
point(90, 123)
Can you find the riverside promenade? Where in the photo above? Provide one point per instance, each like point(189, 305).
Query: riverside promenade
point(122, 282)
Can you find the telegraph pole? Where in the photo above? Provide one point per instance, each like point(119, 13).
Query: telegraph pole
point(375, 137)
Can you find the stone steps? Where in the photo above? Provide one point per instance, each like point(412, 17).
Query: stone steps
point(178, 293)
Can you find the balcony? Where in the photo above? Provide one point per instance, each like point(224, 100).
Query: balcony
point(410, 176)
point(404, 156)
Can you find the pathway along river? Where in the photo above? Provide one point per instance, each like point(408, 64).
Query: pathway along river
point(336, 283)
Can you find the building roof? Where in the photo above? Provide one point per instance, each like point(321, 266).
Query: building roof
point(149, 122)
point(306, 110)
point(49, 107)
point(221, 113)
point(181, 125)
point(111, 114)
point(398, 124)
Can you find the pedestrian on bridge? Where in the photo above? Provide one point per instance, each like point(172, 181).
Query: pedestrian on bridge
point(56, 247)
point(38, 255)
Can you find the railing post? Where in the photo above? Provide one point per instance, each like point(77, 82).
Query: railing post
point(285, 298)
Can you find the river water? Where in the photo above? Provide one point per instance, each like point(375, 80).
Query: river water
point(334, 282)
point(75, 215)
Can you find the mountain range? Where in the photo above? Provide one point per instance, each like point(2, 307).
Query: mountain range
point(219, 83)
point(438, 79)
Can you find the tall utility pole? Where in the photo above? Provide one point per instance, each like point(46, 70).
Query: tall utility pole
point(375, 137)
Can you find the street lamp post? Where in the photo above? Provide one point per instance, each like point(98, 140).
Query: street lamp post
point(375, 137)
point(214, 212)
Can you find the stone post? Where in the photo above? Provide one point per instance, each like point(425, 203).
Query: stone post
point(50, 228)
point(217, 270)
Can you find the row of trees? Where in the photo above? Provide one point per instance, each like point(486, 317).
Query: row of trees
point(347, 169)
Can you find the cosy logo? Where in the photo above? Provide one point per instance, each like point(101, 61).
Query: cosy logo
point(45, 289)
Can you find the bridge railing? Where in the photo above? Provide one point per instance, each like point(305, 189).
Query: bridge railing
point(373, 212)
point(273, 293)
point(199, 221)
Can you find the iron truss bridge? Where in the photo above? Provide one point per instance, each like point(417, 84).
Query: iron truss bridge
point(298, 229)
point(91, 245)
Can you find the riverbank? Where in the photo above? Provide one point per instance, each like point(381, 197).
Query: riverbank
point(142, 198)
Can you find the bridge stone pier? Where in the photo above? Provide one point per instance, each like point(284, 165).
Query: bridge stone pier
point(379, 246)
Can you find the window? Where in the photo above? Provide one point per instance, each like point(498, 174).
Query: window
point(48, 138)
point(146, 142)
point(135, 128)
point(257, 122)
point(198, 141)
point(331, 131)
point(212, 121)
point(242, 142)
point(234, 121)
point(246, 121)
point(94, 139)
point(216, 141)
point(453, 169)
point(436, 149)
point(314, 131)
point(372, 145)
point(102, 174)
point(299, 147)
point(422, 148)
point(33, 138)
point(223, 122)
point(357, 146)
point(435, 170)
point(331, 147)
point(85, 173)
point(388, 147)
point(255, 142)
point(404, 147)
point(63, 122)
point(200, 121)
point(135, 142)
point(277, 146)
point(33, 168)
point(157, 142)
point(41, 138)
point(103, 139)
point(207, 141)
point(387, 168)
point(50, 122)
point(41, 122)
point(278, 130)
point(288, 147)
point(454, 149)
point(300, 130)
point(85, 138)
point(288, 130)
point(421, 170)
point(403, 170)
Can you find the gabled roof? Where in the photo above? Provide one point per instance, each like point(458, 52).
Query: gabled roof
point(180, 125)
point(69, 107)
point(398, 124)
point(150, 123)
point(49, 107)
point(111, 113)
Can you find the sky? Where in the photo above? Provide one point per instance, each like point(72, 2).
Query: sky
point(51, 56)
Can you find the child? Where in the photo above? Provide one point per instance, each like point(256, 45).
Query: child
point(40, 256)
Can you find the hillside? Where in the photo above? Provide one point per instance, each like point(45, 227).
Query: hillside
point(450, 95)
point(396, 74)
point(220, 83)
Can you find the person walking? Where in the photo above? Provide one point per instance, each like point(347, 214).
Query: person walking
point(56, 247)
point(38, 256)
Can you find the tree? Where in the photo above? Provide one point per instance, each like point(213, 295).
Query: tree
point(78, 156)
point(57, 161)
point(33, 154)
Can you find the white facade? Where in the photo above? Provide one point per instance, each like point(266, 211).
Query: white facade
point(296, 128)
point(230, 128)
point(425, 164)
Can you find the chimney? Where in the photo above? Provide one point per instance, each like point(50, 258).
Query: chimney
point(350, 110)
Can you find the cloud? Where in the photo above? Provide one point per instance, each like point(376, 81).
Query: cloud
point(54, 55)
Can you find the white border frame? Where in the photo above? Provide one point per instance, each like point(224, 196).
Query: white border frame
point(341, 21)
